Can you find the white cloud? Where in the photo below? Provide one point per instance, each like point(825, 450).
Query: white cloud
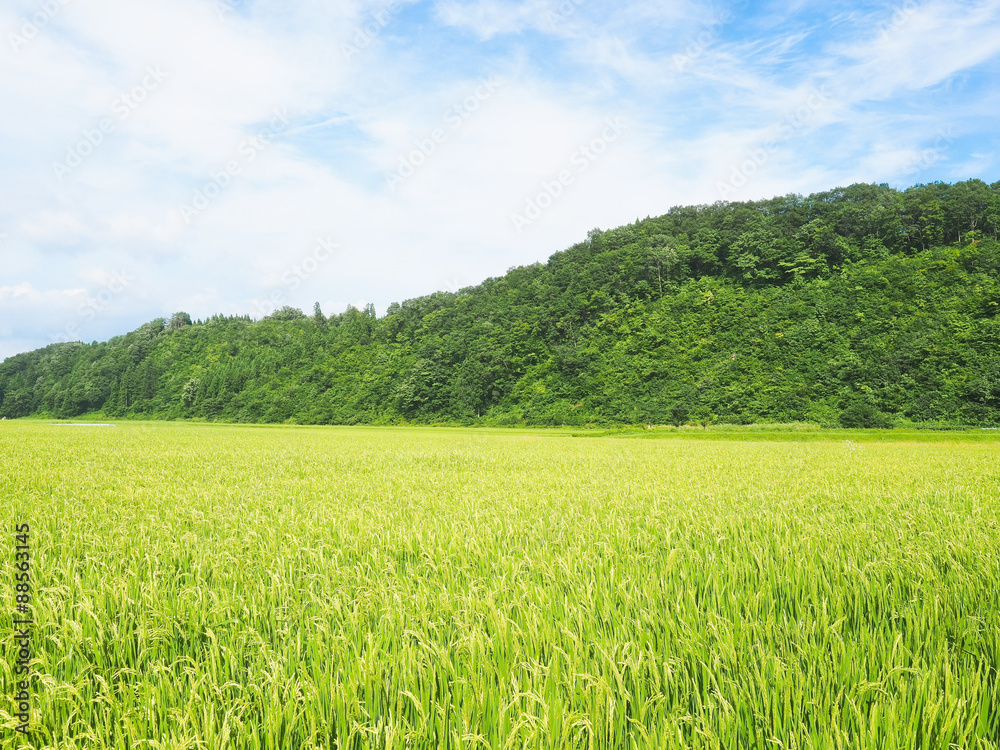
point(352, 118)
point(914, 46)
point(487, 18)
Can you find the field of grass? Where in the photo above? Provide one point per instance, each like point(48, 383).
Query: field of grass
point(213, 587)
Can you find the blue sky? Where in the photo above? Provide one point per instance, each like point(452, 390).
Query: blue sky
point(227, 156)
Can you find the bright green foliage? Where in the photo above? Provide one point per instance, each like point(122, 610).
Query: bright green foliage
point(863, 306)
point(246, 587)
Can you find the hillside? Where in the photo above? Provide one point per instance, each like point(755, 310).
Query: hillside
point(862, 306)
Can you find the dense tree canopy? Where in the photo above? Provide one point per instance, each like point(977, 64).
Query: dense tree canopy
point(862, 306)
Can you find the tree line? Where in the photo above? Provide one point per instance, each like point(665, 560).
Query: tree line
point(861, 306)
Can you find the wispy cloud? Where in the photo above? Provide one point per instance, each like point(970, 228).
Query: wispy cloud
point(896, 76)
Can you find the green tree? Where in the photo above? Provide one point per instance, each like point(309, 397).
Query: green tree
point(190, 392)
point(679, 413)
point(178, 320)
point(318, 317)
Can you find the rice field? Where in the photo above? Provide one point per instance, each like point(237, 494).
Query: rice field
point(211, 587)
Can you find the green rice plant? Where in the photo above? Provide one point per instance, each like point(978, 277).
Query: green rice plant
point(209, 586)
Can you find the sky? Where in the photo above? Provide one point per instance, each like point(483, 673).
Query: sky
point(233, 156)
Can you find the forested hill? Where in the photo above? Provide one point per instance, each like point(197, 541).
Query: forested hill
point(861, 306)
